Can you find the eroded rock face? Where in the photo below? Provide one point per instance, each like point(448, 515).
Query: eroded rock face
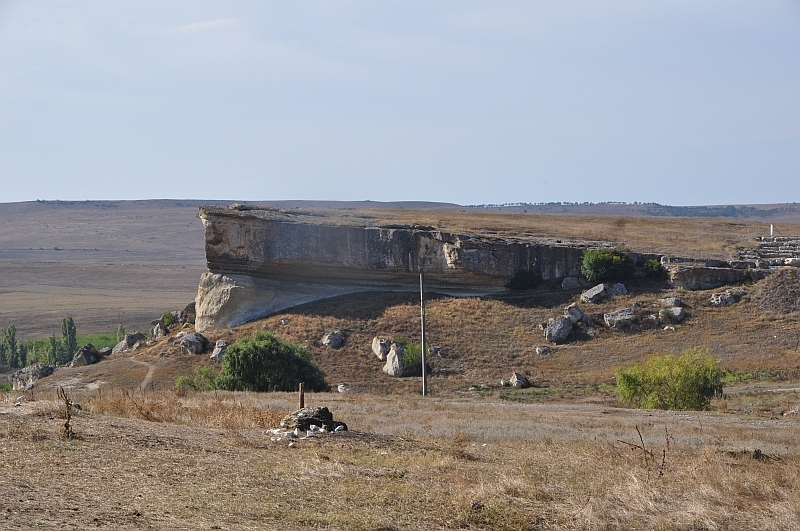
point(262, 261)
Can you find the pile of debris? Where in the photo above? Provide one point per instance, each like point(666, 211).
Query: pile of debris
point(306, 423)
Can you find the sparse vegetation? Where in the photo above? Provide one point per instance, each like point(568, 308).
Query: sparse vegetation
point(168, 318)
point(603, 264)
point(263, 362)
point(205, 379)
point(654, 269)
point(685, 382)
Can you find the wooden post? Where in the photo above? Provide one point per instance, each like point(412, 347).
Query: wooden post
point(422, 323)
point(302, 395)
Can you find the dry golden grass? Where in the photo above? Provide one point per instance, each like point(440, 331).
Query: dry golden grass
point(408, 463)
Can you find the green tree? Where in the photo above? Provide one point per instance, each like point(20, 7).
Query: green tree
point(3, 357)
point(69, 336)
point(56, 351)
point(23, 355)
point(685, 382)
point(263, 363)
point(602, 264)
point(11, 347)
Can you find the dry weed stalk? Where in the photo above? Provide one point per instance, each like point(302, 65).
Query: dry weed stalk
point(649, 456)
point(66, 429)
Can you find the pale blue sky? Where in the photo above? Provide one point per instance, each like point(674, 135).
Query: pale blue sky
point(677, 102)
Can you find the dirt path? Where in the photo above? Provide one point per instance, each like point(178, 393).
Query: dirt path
point(149, 376)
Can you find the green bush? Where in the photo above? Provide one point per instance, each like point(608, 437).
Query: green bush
point(204, 380)
point(6, 388)
point(523, 280)
point(603, 264)
point(263, 363)
point(685, 382)
point(168, 318)
point(654, 269)
point(412, 355)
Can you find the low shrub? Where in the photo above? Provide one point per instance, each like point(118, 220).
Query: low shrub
point(603, 264)
point(168, 318)
point(412, 355)
point(205, 379)
point(263, 362)
point(685, 382)
point(654, 269)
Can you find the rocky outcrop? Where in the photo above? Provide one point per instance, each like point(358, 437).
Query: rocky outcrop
point(129, 343)
point(85, 356)
point(261, 261)
point(191, 342)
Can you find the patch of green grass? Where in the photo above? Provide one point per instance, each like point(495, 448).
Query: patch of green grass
point(107, 339)
point(6, 388)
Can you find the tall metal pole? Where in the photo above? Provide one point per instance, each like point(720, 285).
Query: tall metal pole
point(422, 319)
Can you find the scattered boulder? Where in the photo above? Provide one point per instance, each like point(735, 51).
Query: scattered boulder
point(671, 315)
point(558, 330)
point(160, 330)
point(188, 314)
point(192, 342)
point(85, 356)
point(219, 351)
point(620, 318)
point(334, 340)
point(396, 366)
point(618, 289)
point(342, 388)
point(722, 299)
point(793, 262)
point(25, 379)
point(670, 302)
point(505, 383)
point(595, 294)
point(518, 381)
point(543, 351)
point(570, 283)
point(381, 347)
point(103, 352)
point(576, 315)
point(129, 343)
point(303, 419)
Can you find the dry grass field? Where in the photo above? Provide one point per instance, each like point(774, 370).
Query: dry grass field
point(157, 461)
point(473, 455)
